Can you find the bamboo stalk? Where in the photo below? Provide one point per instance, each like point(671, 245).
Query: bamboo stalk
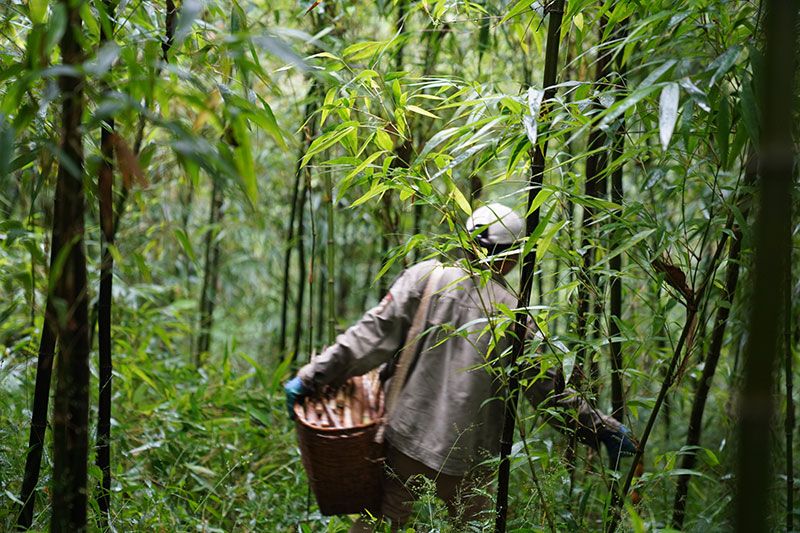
point(307, 137)
point(330, 252)
point(210, 275)
point(71, 410)
point(772, 259)
point(104, 300)
point(789, 423)
point(615, 263)
point(556, 11)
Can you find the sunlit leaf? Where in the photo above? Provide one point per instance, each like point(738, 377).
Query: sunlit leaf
point(418, 110)
point(668, 112)
point(37, 10)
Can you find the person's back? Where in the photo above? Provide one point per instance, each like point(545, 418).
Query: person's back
point(450, 410)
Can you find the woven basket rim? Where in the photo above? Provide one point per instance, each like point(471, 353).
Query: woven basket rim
point(299, 417)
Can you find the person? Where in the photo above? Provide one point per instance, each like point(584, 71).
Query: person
point(449, 415)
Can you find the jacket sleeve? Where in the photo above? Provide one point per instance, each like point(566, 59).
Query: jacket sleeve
point(564, 408)
point(372, 341)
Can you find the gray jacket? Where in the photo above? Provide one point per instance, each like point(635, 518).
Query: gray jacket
point(450, 412)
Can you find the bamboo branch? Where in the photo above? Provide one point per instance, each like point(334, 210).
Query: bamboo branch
point(704, 385)
point(717, 336)
point(692, 299)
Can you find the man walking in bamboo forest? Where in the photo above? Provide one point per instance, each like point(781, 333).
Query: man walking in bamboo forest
point(448, 416)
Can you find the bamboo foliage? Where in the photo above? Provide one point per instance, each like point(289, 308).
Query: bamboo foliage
point(408, 115)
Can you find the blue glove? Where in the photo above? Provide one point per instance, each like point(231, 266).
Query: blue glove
point(295, 392)
point(619, 443)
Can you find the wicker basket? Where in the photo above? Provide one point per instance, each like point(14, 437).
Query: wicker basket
point(343, 461)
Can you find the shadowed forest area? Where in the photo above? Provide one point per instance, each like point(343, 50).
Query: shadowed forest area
point(198, 195)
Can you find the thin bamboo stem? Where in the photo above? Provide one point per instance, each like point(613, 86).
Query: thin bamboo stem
point(556, 11)
point(310, 110)
point(208, 292)
point(789, 423)
point(104, 299)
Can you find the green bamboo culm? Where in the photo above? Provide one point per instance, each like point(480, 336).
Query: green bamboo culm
point(330, 258)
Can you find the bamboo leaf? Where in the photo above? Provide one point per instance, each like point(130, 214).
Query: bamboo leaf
point(326, 106)
point(243, 161)
point(629, 243)
point(6, 147)
point(37, 11)
point(185, 243)
point(265, 118)
point(328, 139)
point(540, 198)
point(568, 365)
point(346, 182)
point(723, 63)
point(642, 91)
point(668, 112)
point(147, 379)
point(547, 237)
point(578, 21)
point(203, 471)
point(749, 111)
point(516, 154)
point(376, 189)
point(461, 200)
point(529, 121)
point(517, 9)
point(383, 140)
point(420, 111)
point(362, 50)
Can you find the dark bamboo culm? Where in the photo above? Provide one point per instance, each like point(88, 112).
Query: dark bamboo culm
point(596, 167)
point(71, 411)
point(772, 259)
point(538, 153)
point(122, 197)
point(615, 263)
point(595, 183)
point(41, 400)
point(301, 261)
point(208, 293)
point(297, 207)
point(106, 200)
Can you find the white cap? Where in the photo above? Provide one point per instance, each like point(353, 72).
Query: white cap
point(498, 225)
